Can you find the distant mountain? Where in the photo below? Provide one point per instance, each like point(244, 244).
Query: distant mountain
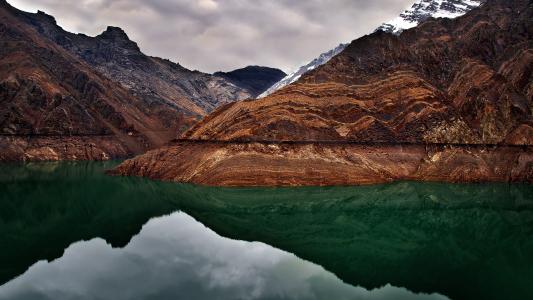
point(152, 79)
point(292, 77)
point(254, 79)
point(71, 96)
point(411, 17)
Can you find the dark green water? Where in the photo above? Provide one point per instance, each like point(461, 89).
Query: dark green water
point(397, 241)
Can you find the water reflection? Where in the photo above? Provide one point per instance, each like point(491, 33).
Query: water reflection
point(462, 241)
point(175, 256)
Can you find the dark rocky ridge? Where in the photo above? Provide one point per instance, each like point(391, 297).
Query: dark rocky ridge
point(449, 100)
point(154, 80)
point(254, 79)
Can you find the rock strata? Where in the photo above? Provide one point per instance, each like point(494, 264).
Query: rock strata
point(449, 100)
point(316, 164)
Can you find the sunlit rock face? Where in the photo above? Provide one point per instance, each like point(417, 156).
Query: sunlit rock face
point(453, 83)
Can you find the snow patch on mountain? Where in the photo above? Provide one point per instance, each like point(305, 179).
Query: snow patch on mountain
point(424, 9)
point(294, 76)
point(410, 18)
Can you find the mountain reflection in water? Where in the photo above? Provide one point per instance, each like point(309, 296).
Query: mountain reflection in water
point(175, 256)
point(461, 241)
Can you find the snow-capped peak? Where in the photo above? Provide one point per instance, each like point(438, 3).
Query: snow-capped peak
point(418, 12)
point(293, 76)
point(424, 9)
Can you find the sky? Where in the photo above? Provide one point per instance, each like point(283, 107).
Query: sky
point(222, 35)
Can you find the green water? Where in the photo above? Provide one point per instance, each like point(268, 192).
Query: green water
point(460, 241)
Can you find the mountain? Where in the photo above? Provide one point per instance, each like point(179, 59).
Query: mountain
point(294, 76)
point(254, 79)
point(152, 79)
point(424, 9)
point(449, 100)
point(71, 96)
point(419, 12)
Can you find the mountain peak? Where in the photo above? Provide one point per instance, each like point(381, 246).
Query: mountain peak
point(118, 36)
point(114, 33)
point(424, 9)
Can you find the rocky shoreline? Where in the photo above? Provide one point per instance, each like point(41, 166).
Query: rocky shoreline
point(59, 148)
point(322, 164)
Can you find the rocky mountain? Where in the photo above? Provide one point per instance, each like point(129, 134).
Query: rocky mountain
point(419, 12)
point(152, 79)
point(294, 76)
point(451, 99)
point(254, 79)
point(71, 96)
point(425, 9)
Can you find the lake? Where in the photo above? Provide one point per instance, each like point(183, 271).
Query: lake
point(68, 231)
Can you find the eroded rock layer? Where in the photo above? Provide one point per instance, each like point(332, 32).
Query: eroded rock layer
point(466, 80)
point(314, 164)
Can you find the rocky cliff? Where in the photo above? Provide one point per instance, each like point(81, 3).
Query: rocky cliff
point(71, 96)
point(448, 100)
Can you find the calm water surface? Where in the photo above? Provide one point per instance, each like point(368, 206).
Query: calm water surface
point(67, 231)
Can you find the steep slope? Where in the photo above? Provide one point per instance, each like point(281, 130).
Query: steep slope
point(54, 106)
point(254, 79)
point(417, 13)
point(152, 79)
point(294, 76)
point(447, 100)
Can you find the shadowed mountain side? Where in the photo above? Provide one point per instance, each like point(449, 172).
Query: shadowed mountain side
point(254, 79)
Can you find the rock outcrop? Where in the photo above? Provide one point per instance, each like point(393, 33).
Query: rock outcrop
point(449, 100)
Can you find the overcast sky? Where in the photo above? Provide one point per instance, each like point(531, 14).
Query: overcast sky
point(213, 35)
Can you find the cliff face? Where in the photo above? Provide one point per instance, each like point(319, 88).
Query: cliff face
point(421, 101)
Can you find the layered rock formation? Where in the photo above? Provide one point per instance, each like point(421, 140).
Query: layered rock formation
point(254, 79)
point(420, 11)
point(463, 86)
point(45, 92)
point(60, 90)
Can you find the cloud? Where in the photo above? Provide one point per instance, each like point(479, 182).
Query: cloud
point(213, 35)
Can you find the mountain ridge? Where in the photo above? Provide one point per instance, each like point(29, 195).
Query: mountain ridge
point(417, 13)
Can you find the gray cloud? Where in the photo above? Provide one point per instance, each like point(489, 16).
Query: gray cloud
point(212, 35)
